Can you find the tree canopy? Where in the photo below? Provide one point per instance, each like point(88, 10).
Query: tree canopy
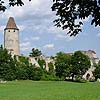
point(72, 66)
point(11, 3)
point(70, 14)
point(62, 64)
point(35, 53)
point(80, 64)
point(7, 66)
point(97, 71)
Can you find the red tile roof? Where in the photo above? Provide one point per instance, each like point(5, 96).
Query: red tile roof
point(11, 24)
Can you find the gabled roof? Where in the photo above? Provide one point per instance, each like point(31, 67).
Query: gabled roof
point(11, 24)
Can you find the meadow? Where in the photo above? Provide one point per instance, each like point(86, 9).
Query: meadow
point(49, 90)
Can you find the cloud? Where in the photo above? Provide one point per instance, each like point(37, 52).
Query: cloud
point(98, 35)
point(26, 39)
point(64, 37)
point(35, 8)
point(35, 38)
point(61, 36)
point(35, 15)
point(48, 46)
point(2, 28)
point(35, 21)
point(21, 27)
point(21, 10)
point(24, 46)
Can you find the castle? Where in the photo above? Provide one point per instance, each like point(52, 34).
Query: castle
point(11, 40)
point(11, 43)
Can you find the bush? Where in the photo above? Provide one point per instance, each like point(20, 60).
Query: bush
point(80, 80)
point(37, 74)
point(50, 77)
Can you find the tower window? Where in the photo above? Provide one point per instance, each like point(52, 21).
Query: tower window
point(14, 30)
point(9, 31)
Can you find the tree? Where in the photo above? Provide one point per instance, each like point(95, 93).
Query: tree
point(7, 65)
point(70, 11)
point(51, 68)
point(80, 64)
point(35, 53)
point(37, 73)
point(42, 63)
point(11, 3)
point(62, 64)
point(97, 71)
point(22, 68)
point(25, 70)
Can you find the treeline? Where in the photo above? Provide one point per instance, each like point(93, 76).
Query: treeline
point(19, 68)
point(74, 66)
point(65, 67)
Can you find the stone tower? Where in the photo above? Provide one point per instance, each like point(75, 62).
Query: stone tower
point(11, 37)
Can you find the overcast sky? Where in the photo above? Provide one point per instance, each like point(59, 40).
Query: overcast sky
point(35, 21)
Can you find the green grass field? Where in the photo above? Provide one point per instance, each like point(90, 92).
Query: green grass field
point(47, 90)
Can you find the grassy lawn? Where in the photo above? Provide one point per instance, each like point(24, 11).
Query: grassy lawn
point(46, 90)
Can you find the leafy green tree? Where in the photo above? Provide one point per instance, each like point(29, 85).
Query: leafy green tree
point(22, 68)
point(80, 64)
point(68, 13)
point(10, 3)
point(41, 62)
point(37, 73)
point(51, 68)
point(35, 53)
point(62, 64)
point(25, 70)
point(97, 71)
point(7, 65)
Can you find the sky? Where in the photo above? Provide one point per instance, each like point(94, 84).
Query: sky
point(37, 30)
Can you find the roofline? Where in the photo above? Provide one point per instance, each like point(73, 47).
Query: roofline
point(11, 24)
point(11, 28)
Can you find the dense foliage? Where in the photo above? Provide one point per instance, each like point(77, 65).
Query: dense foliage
point(65, 66)
point(70, 14)
point(62, 64)
point(35, 53)
point(74, 66)
point(19, 68)
point(7, 65)
point(42, 63)
point(80, 64)
point(51, 68)
point(97, 71)
point(10, 3)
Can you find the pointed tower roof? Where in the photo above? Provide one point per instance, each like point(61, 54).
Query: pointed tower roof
point(11, 24)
